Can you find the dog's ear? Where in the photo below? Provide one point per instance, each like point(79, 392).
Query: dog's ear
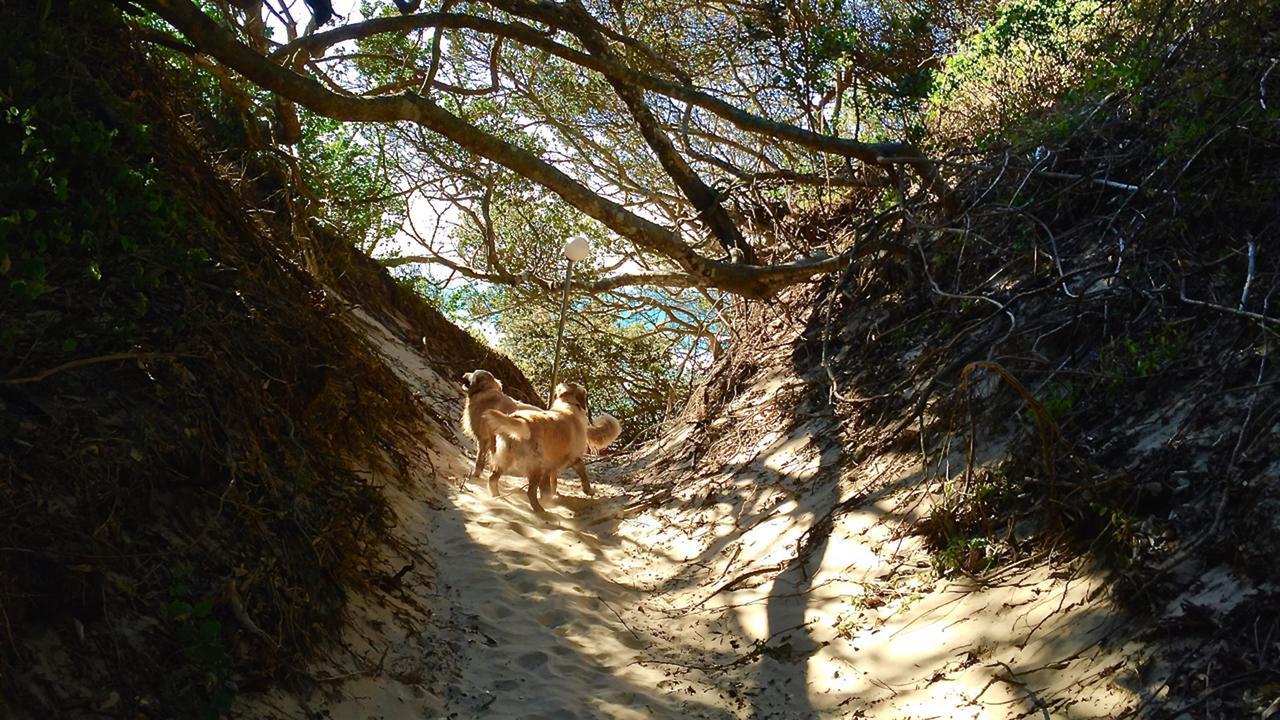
point(467, 379)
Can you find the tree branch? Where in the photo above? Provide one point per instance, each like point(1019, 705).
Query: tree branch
point(673, 280)
point(877, 154)
point(211, 38)
point(705, 200)
point(789, 273)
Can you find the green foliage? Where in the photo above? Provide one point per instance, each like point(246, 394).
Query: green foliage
point(202, 682)
point(1029, 52)
point(342, 163)
point(628, 371)
point(454, 302)
point(815, 44)
point(967, 528)
point(82, 199)
point(1021, 28)
point(1058, 399)
point(1129, 358)
point(1118, 526)
point(971, 555)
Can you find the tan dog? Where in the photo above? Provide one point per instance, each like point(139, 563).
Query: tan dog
point(484, 392)
point(540, 444)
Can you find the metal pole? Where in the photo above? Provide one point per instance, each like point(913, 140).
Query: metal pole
point(564, 308)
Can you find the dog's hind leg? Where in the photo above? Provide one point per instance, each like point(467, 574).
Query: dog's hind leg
point(580, 467)
point(483, 447)
point(494, 488)
point(535, 483)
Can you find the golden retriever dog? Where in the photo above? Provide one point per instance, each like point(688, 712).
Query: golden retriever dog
point(484, 392)
point(540, 444)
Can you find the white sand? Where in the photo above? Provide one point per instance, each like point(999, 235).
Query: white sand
point(579, 615)
point(542, 596)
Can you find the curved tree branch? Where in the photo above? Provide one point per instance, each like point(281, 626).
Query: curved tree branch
point(877, 154)
point(788, 274)
point(705, 200)
point(673, 280)
point(747, 280)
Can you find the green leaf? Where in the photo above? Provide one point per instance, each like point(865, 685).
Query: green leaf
point(208, 632)
point(178, 611)
point(202, 609)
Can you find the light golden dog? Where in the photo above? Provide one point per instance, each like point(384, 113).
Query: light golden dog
point(540, 444)
point(484, 392)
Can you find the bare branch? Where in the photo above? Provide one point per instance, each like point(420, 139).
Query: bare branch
point(211, 38)
point(704, 199)
point(878, 154)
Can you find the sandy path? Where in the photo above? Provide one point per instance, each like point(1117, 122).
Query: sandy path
point(593, 612)
point(522, 615)
point(543, 612)
point(692, 604)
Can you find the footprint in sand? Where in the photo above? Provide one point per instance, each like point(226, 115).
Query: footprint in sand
point(631, 641)
point(517, 560)
point(520, 583)
point(532, 660)
point(497, 611)
point(554, 618)
point(557, 715)
point(571, 668)
point(506, 684)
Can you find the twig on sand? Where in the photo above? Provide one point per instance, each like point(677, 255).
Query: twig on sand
point(390, 582)
point(624, 622)
point(732, 584)
point(759, 649)
point(1012, 680)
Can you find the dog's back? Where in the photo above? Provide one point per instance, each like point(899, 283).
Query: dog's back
point(537, 442)
point(485, 393)
point(473, 421)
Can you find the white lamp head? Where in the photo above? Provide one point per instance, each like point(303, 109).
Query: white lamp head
point(577, 249)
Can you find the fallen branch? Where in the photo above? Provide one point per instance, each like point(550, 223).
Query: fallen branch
point(1044, 709)
point(624, 622)
point(242, 616)
point(84, 362)
point(1182, 295)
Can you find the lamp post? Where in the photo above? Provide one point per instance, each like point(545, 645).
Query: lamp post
point(576, 250)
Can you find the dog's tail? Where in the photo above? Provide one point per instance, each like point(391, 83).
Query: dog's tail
point(503, 424)
point(604, 429)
